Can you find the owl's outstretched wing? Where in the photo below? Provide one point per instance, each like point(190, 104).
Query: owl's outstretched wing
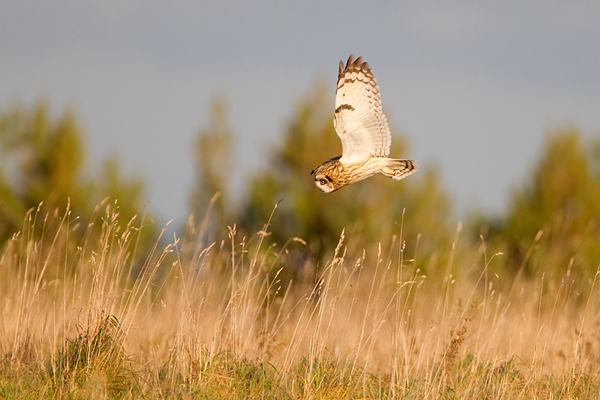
point(359, 120)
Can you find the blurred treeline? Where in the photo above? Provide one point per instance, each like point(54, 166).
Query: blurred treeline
point(43, 174)
point(551, 225)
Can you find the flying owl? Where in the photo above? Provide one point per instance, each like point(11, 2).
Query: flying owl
point(363, 129)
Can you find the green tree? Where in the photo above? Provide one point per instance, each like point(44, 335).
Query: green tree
point(128, 193)
point(42, 162)
point(554, 218)
point(209, 200)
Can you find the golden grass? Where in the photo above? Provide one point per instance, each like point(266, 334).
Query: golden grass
point(81, 318)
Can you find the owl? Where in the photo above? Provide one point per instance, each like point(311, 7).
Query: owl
point(363, 129)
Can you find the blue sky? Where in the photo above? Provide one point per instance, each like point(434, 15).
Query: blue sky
point(473, 86)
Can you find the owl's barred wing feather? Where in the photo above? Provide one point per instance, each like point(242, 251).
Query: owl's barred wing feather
point(359, 120)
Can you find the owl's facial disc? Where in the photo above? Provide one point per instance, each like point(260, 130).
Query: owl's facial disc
point(324, 183)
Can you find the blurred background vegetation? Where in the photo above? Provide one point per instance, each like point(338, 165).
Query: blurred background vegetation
point(43, 174)
point(552, 223)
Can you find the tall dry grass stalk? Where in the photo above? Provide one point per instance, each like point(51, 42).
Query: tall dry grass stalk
point(88, 307)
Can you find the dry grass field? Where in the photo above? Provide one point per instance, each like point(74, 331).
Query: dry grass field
point(84, 318)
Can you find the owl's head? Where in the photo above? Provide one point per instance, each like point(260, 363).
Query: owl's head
point(326, 175)
point(323, 181)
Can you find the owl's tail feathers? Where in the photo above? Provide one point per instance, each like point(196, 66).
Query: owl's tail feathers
point(398, 169)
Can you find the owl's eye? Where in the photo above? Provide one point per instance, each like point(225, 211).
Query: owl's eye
point(323, 182)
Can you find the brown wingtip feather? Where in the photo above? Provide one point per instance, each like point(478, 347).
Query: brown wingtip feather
point(342, 68)
point(354, 64)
